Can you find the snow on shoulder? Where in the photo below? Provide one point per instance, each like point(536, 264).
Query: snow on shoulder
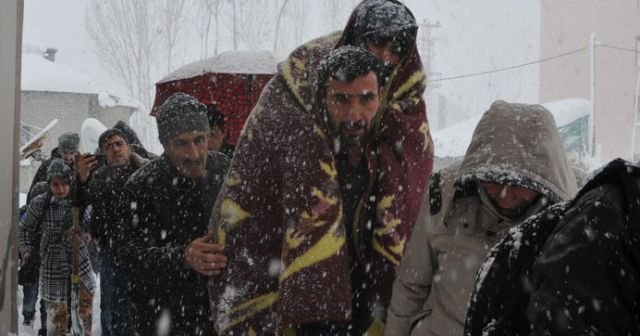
point(230, 62)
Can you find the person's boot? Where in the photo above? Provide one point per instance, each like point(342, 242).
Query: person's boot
point(28, 321)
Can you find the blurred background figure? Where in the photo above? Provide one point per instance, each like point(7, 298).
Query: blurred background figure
point(218, 135)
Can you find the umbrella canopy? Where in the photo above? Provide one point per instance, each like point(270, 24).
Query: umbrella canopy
point(233, 80)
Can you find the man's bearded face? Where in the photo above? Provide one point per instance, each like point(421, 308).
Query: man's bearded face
point(352, 107)
point(188, 153)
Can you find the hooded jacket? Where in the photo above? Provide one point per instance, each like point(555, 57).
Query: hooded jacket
point(280, 210)
point(513, 144)
point(41, 173)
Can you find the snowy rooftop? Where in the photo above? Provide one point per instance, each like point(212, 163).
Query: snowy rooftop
point(240, 62)
point(453, 141)
point(39, 74)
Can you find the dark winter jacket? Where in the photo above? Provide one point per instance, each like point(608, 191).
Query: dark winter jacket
point(281, 210)
point(572, 270)
point(103, 191)
point(162, 212)
point(227, 149)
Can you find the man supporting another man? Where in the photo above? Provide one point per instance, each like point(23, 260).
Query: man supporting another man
point(165, 211)
point(514, 167)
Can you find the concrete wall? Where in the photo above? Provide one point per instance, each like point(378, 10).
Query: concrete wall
point(566, 26)
point(10, 42)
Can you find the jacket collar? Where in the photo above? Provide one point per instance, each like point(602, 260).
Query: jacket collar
point(175, 178)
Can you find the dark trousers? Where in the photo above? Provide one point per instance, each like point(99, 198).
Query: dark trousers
point(30, 298)
point(114, 301)
point(177, 321)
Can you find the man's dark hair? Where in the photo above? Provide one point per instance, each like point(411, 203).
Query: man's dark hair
point(347, 63)
point(215, 116)
point(130, 134)
point(110, 133)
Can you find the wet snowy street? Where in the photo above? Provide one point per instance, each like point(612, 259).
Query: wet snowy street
point(29, 331)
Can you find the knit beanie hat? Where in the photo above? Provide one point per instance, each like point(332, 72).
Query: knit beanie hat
point(68, 142)
point(59, 168)
point(179, 114)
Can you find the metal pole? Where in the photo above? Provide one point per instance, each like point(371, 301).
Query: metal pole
point(592, 117)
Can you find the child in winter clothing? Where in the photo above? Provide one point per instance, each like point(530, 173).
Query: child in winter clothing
point(30, 288)
point(55, 250)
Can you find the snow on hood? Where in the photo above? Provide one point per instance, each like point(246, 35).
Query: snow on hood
point(453, 141)
point(39, 74)
point(519, 144)
point(231, 62)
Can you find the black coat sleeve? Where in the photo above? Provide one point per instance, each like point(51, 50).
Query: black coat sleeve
point(151, 261)
point(585, 282)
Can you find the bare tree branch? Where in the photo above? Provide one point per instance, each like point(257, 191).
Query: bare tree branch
point(124, 42)
point(172, 20)
point(278, 20)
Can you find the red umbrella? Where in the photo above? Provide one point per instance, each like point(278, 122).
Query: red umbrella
point(233, 80)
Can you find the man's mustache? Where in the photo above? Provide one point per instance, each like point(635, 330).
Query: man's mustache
point(352, 126)
point(189, 162)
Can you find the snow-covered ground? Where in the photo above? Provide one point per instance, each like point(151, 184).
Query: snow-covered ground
point(29, 331)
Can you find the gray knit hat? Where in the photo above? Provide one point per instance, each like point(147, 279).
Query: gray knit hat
point(179, 114)
point(68, 142)
point(59, 168)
